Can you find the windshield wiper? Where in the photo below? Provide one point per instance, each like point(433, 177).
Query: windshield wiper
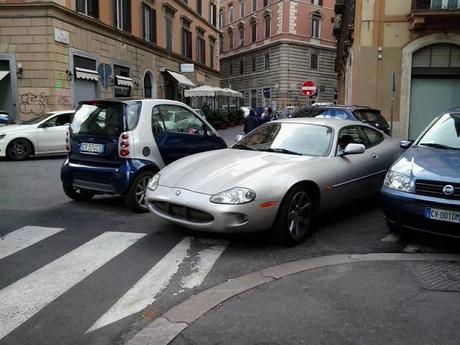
point(279, 150)
point(439, 146)
point(243, 147)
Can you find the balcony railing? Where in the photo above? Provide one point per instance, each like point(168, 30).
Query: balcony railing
point(435, 5)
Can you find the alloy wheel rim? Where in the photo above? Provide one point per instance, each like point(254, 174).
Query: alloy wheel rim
point(141, 189)
point(18, 150)
point(299, 212)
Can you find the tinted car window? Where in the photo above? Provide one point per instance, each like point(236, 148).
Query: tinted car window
point(102, 119)
point(365, 115)
point(309, 112)
point(373, 137)
point(351, 135)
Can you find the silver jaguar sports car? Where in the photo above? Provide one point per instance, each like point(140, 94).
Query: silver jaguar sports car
point(276, 177)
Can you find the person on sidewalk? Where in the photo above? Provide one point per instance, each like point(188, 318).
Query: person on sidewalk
point(251, 121)
point(266, 115)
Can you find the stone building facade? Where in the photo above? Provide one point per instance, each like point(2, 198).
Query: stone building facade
point(54, 54)
point(270, 48)
point(402, 57)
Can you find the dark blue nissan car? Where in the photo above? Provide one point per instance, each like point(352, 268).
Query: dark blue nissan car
point(421, 190)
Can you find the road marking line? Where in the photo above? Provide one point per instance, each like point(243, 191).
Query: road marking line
point(202, 266)
point(391, 237)
point(148, 287)
point(19, 239)
point(27, 296)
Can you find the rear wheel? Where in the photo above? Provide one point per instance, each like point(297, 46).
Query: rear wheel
point(77, 194)
point(19, 149)
point(293, 221)
point(135, 196)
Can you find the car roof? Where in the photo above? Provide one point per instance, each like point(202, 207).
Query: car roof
point(334, 123)
point(135, 99)
point(348, 107)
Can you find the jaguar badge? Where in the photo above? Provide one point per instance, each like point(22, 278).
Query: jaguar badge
point(178, 192)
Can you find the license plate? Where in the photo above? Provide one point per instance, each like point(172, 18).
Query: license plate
point(442, 215)
point(92, 148)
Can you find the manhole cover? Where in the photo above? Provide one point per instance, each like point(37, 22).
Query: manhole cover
point(439, 276)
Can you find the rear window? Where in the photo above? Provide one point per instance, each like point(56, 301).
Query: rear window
point(310, 112)
point(106, 119)
point(368, 116)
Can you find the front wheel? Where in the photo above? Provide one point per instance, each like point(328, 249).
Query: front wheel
point(19, 150)
point(135, 196)
point(293, 221)
point(77, 194)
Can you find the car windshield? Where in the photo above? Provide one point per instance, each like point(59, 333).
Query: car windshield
point(36, 119)
point(367, 115)
point(289, 138)
point(105, 118)
point(444, 134)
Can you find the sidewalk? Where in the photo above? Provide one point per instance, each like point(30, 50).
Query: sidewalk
point(341, 299)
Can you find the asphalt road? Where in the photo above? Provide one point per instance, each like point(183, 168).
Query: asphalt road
point(101, 273)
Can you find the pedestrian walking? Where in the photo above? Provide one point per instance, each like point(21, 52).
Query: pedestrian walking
point(251, 121)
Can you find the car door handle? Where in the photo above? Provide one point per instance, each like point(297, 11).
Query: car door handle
point(374, 156)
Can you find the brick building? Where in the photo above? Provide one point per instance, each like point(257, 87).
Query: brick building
point(56, 53)
point(269, 48)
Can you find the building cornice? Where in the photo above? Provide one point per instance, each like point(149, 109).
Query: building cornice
point(53, 10)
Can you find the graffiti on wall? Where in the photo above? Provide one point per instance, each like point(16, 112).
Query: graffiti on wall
point(64, 101)
point(32, 104)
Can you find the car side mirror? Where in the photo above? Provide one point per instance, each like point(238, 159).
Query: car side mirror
point(405, 144)
point(238, 137)
point(353, 149)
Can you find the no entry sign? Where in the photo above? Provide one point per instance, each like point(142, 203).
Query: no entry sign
point(309, 88)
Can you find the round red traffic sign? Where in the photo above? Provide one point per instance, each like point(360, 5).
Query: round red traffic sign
point(309, 88)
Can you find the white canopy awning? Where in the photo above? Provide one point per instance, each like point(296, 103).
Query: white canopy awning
point(3, 74)
point(212, 91)
point(83, 73)
point(181, 79)
point(124, 81)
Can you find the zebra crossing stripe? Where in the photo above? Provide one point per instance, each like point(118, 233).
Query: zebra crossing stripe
point(145, 290)
point(27, 296)
point(205, 261)
point(24, 237)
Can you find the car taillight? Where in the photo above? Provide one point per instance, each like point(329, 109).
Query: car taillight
point(124, 145)
point(67, 142)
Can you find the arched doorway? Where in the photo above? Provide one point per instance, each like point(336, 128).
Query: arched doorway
point(148, 85)
point(435, 84)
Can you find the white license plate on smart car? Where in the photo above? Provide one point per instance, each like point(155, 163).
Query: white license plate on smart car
point(91, 148)
point(442, 215)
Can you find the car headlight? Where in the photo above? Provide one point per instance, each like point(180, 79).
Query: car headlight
point(398, 181)
point(153, 182)
point(2, 136)
point(234, 196)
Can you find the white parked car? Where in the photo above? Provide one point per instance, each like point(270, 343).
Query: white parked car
point(45, 134)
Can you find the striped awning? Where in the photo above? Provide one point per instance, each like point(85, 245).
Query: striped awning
point(124, 81)
point(3, 74)
point(88, 74)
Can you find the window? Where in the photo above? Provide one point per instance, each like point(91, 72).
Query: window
point(231, 68)
point(221, 19)
point(122, 17)
point(266, 3)
point(351, 135)
point(317, 2)
point(230, 40)
point(242, 9)
point(373, 137)
point(314, 61)
point(60, 120)
point(199, 6)
point(150, 23)
point(213, 13)
point(221, 43)
point(186, 43)
point(212, 44)
point(253, 64)
point(241, 66)
point(253, 99)
point(267, 26)
point(267, 61)
point(88, 7)
point(254, 5)
point(253, 32)
point(200, 47)
point(241, 29)
point(168, 32)
point(173, 118)
point(315, 25)
point(122, 90)
point(230, 14)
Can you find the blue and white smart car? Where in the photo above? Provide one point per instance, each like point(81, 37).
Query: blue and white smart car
point(115, 146)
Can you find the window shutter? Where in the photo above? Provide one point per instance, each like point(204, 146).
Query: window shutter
point(127, 15)
point(115, 22)
point(93, 8)
point(153, 26)
point(81, 6)
point(144, 11)
point(189, 44)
